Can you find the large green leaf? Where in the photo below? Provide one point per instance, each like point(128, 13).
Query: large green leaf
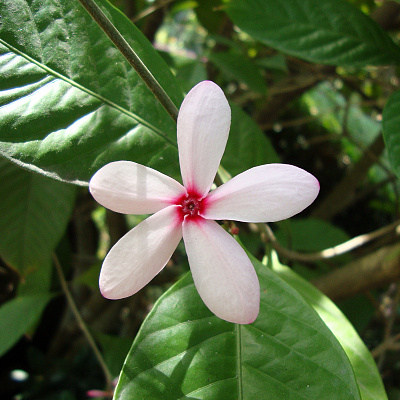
point(19, 315)
point(183, 351)
point(365, 370)
point(391, 130)
point(34, 212)
point(329, 31)
point(70, 102)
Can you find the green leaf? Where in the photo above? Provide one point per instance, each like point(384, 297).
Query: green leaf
point(90, 277)
point(391, 130)
point(276, 62)
point(247, 145)
point(210, 15)
point(114, 349)
point(310, 235)
point(338, 114)
point(18, 316)
point(330, 31)
point(365, 370)
point(70, 102)
point(183, 351)
point(189, 72)
point(34, 212)
point(241, 69)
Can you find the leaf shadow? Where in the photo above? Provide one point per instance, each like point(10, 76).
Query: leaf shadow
point(153, 381)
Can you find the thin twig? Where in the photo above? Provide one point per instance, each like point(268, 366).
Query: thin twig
point(390, 320)
point(390, 344)
point(376, 269)
point(134, 60)
point(335, 251)
point(82, 325)
point(149, 10)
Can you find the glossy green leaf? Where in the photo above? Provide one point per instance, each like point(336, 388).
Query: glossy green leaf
point(70, 102)
point(365, 370)
point(241, 69)
point(391, 130)
point(18, 316)
point(330, 31)
point(183, 351)
point(34, 212)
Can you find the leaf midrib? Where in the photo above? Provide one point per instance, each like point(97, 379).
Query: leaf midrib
point(238, 331)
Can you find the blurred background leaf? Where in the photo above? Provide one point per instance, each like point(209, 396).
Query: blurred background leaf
point(331, 32)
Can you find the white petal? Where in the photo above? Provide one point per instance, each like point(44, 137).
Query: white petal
point(222, 272)
point(130, 188)
point(141, 254)
point(266, 193)
point(203, 128)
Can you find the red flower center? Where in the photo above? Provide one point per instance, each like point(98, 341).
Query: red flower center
point(192, 205)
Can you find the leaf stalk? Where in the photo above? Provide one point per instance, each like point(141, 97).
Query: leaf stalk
point(130, 55)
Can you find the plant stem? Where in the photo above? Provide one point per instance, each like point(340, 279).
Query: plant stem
point(338, 250)
point(126, 50)
point(81, 323)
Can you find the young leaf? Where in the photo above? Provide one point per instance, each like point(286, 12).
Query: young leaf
point(391, 130)
point(365, 370)
point(184, 351)
point(70, 102)
point(34, 214)
point(330, 31)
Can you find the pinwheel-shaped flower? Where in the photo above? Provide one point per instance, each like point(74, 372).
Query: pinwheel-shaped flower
point(222, 272)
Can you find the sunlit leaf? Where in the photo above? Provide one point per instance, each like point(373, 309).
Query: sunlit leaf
point(365, 370)
point(70, 102)
point(183, 351)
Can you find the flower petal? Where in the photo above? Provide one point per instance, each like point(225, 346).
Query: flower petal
point(141, 254)
point(223, 274)
point(267, 193)
point(203, 128)
point(130, 188)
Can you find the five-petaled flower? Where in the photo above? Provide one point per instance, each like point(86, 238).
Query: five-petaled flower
point(222, 272)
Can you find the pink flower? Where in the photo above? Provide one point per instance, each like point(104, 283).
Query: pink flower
point(222, 272)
